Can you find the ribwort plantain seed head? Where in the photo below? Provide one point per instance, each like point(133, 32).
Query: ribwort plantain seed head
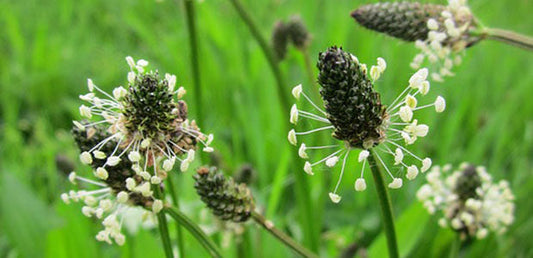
point(352, 105)
point(226, 199)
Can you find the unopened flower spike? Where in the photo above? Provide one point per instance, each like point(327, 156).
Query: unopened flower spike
point(354, 115)
point(226, 199)
point(440, 32)
point(468, 200)
point(135, 135)
point(294, 31)
point(115, 190)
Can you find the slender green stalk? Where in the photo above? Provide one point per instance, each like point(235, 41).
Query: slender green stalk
point(179, 232)
point(163, 226)
point(386, 207)
point(267, 51)
point(310, 233)
point(285, 239)
point(509, 37)
point(194, 230)
point(193, 45)
point(456, 246)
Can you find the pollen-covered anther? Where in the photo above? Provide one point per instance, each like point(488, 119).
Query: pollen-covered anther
point(294, 114)
point(157, 206)
point(363, 155)
point(335, 198)
point(102, 173)
point(292, 137)
point(412, 172)
point(308, 168)
point(296, 91)
point(331, 162)
point(360, 184)
point(301, 151)
point(396, 183)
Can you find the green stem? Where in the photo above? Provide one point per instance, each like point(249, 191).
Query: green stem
point(456, 246)
point(509, 37)
point(301, 182)
point(163, 226)
point(309, 70)
point(285, 239)
point(267, 51)
point(193, 45)
point(179, 232)
point(386, 207)
point(194, 230)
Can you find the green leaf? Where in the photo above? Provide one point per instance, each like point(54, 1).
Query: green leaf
point(409, 228)
point(25, 219)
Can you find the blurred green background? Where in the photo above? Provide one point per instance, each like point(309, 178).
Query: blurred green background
point(49, 48)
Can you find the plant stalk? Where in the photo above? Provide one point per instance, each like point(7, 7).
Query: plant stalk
point(193, 46)
point(301, 182)
point(309, 70)
point(386, 207)
point(284, 238)
point(267, 51)
point(509, 37)
point(179, 232)
point(163, 226)
point(194, 230)
point(456, 246)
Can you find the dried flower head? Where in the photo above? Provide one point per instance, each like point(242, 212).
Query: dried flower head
point(440, 32)
point(298, 32)
point(280, 40)
point(293, 31)
point(358, 119)
point(134, 138)
point(117, 189)
point(470, 202)
point(227, 199)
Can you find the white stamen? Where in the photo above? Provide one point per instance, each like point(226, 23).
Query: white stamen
point(363, 155)
point(296, 91)
point(86, 158)
point(406, 114)
point(360, 184)
point(119, 92)
point(412, 172)
point(157, 206)
point(440, 104)
point(113, 161)
point(396, 183)
point(122, 197)
point(398, 156)
point(426, 164)
point(301, 152)
point(294, 114)
point(85, 111)
point(292, 137)
point(335, 198)
point(308, 169)
point(102, 173)
point(332, 161)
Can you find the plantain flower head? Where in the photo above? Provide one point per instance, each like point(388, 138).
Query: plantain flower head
point(357, 119)
point(470, 202)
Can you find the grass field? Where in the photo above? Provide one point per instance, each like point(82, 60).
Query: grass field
point(49, 48)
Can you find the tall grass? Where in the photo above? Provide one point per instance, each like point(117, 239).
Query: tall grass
point(47, 49)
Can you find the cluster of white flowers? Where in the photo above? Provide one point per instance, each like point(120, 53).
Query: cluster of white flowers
point(138, 147)
point(102, 203)
point(400, 127)
point(446, 42)
point(133, 147)
point(490, 208)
